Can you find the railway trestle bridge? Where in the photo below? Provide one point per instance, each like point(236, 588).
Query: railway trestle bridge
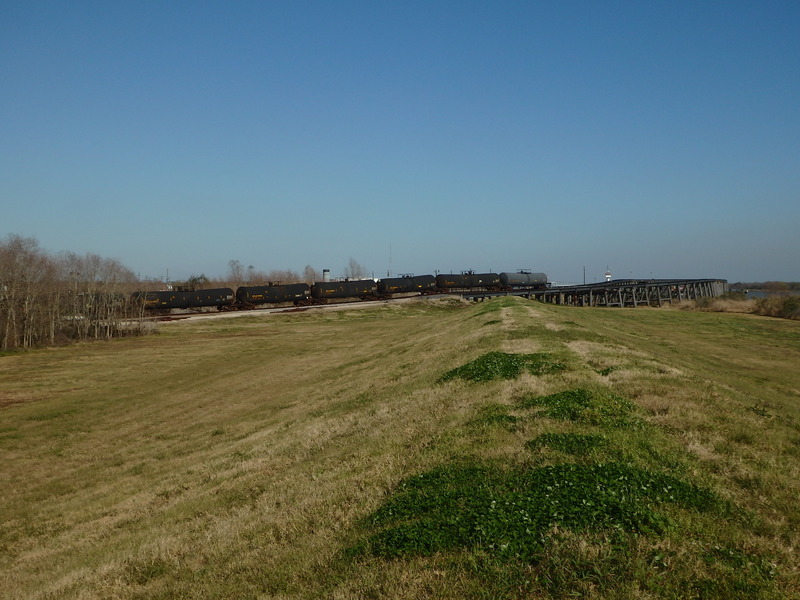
point(619, 292)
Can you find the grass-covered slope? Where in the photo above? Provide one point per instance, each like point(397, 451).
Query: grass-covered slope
point(502, 450)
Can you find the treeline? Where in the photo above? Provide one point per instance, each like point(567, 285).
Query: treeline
point(238, 275)
point(51, 299)
point(775, 287)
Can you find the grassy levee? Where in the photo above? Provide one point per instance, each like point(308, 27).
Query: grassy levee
point(503, 450)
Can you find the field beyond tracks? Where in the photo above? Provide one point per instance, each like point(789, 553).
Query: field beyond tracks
point(502, 450)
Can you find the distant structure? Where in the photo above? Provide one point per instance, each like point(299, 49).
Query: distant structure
point(608, 274)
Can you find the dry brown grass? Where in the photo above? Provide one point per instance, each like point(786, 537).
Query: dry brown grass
point(716, 305)
point(236, 458)
point(215, 442)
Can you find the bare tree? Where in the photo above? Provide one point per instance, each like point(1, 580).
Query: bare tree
point(44, 300)
point(25, 281)
point(354, 270)
point(310, 275)
point(236, 272)
point(99, 290)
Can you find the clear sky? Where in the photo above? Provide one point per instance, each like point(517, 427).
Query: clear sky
point(656, 138)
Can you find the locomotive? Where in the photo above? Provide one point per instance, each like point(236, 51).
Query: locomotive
point(320, 292)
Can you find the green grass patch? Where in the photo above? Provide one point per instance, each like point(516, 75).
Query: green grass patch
point(495, 415)
point(571, 333)
point(601, 408)
point(501, 365)
point(569, 443)
point(495, 305)
point(746, 570)
point(511, 513)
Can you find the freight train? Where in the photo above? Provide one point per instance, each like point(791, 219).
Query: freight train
point(302, 294)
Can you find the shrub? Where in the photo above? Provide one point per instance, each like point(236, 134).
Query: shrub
point(786, 307)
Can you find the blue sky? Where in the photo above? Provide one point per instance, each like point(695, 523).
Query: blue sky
point(657, 138)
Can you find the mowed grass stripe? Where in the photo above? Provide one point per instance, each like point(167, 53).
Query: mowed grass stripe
point(142, 437)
